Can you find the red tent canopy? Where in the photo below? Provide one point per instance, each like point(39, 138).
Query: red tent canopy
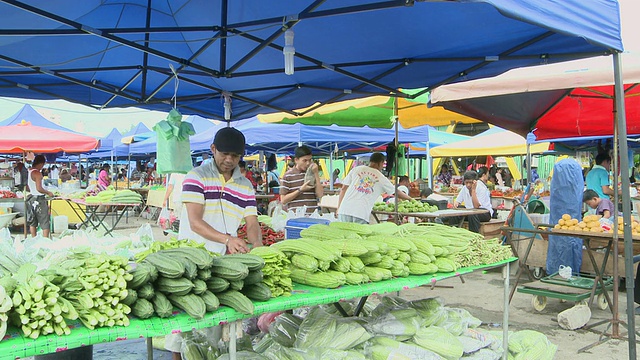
point(587, 112)
point(27, 137)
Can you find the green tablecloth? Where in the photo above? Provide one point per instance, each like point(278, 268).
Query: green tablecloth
point(14, 345)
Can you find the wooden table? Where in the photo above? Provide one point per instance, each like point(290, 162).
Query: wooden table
point(431, 216)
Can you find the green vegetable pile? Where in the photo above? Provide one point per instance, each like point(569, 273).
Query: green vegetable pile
point(405, 206)
point(395, 329)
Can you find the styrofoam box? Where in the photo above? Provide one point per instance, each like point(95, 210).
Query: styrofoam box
point(294, 226)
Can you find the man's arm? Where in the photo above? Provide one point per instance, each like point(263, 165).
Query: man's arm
point(319, 190)
point(253, 230)
point(402, 195)
point(474, 195)
point(167, 195)
point(195, 212)
point(607, 190)
point(292, 195)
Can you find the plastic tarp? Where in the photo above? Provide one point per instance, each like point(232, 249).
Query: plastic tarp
point(26, 137)
point(97, 52)
point(567, 186)
point(557, 102)
point(494, 142)
point(29, 114)
point(374, 111)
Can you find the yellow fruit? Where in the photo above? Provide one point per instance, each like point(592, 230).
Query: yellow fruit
point(561, 222)
point(556, 226)
point(566, 217)
point(582, 224)
point(574, 221)
point(564, 227)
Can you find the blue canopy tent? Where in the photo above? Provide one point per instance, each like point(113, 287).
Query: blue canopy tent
point(116, 54)
point(280, 138)
point(138, 133)
point(111, 140)
point(29, 114)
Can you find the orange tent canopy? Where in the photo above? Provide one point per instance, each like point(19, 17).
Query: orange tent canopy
point(26, 137)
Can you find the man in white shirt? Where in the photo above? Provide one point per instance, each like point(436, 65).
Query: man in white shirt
point(360, 189)
point(474, 195)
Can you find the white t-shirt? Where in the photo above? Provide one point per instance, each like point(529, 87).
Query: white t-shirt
point(366, 184)
point(175, 201)
point(484, 197)
point(404, 189)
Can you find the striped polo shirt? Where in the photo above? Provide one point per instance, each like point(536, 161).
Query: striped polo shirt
point(225, 203)
point(292, 181)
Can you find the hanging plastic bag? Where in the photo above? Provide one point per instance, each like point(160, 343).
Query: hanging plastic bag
point(164, 220)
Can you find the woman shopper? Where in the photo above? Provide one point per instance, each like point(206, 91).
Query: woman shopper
point(37, 207)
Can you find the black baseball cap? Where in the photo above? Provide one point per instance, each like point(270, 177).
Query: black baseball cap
point(229, 140)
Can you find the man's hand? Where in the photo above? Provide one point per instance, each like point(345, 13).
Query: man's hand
point(314, 168)
point(475, 185)
point(456, 204)
point(306, 187)
point(237, 245)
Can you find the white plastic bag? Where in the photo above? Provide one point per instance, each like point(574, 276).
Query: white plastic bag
point(164, 220)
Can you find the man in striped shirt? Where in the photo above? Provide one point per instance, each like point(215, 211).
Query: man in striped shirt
point(299, 189)
point(217, 197)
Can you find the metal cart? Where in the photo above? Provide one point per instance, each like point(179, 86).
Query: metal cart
point(577, 289)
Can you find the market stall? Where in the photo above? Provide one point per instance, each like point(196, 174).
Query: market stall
point(581, 94)
point(431, 216)
point(161, 274)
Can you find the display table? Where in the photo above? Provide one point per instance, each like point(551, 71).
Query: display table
point(431, 216)
point(95, 220)
point(14, 345)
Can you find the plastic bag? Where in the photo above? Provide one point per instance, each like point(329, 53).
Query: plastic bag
point(322, 330)
point(164, 219)
point(285, 329)
point(431, 310)
point(386, 348)
point(196, 345)
point(458, 320)
point(440, 341)
point(144, 236)
point(398, 323)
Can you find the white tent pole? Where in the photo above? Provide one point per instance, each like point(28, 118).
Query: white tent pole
point(429, 164)
point(331, 179)
point(397, 142)
point(621, 121)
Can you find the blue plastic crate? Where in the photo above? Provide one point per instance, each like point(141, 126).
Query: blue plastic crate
point(294, 226)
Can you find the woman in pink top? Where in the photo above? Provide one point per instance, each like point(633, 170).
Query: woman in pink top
point(104, 180)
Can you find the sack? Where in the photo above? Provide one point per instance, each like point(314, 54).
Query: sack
point(164, 220)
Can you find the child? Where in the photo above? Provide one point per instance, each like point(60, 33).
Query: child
point(603, 207)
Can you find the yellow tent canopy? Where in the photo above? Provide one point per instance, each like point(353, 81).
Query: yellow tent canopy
point(374, 111)
point(494, 142)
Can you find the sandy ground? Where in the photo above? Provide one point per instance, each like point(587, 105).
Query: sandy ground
point(481, 294)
